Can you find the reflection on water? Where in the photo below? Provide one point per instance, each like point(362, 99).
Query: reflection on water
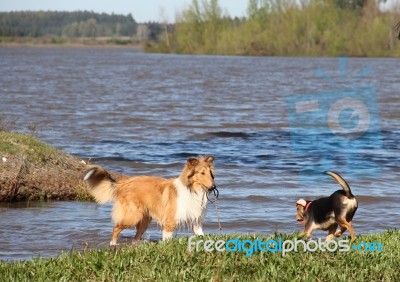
point(146, 113)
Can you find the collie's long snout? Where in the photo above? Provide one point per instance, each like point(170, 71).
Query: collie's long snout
point(213, 187)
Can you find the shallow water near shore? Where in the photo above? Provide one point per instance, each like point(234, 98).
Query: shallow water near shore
point(142, 113)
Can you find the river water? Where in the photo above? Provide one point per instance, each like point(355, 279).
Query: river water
point(142, 113)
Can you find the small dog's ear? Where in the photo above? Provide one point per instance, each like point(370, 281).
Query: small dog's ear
point(301, 202)
point(209, 159)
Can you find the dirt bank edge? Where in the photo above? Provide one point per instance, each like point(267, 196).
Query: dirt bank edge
point(33, 170)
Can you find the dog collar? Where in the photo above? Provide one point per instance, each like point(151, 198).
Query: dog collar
point(307, 206)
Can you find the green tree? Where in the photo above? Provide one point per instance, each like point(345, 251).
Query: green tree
point(71, 30)
point(89, 28)
point(199, 26)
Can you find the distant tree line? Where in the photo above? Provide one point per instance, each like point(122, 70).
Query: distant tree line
point(68, 24)
point(285, 27)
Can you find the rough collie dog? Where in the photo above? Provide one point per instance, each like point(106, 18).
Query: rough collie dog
point(171, 202)
point(330, 212)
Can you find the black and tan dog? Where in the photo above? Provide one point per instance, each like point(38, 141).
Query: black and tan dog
point(330, 212)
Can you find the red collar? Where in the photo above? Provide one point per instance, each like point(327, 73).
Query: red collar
point(305, 209)
point(307, 206)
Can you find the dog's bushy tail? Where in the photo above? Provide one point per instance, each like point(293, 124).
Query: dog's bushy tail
point(346, 188)
point(101, 184)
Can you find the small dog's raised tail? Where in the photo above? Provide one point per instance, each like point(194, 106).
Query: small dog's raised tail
point(342, 182)
point(101, 184)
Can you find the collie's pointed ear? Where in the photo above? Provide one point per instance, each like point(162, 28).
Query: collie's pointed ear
point(192, 162)
point(209, 159)
point(190, 169)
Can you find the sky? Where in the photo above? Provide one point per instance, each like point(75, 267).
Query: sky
point(141, 10)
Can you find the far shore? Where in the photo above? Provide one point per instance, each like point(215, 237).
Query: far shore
point(52, 41)
point(122, 42)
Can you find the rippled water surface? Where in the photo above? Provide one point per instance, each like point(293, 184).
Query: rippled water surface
point(146, 113)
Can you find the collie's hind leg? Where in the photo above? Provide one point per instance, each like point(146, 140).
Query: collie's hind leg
point(124, 216)
point(141, 227)
point(117, 229)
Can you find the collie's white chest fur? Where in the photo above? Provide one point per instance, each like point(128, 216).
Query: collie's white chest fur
point(191, 206)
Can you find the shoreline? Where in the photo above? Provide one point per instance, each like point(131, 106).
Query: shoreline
point(173, 260)
point(103, 42)
point(111, 42)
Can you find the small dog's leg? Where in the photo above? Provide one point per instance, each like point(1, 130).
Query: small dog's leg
point(347, 225)
point(340, 231)
point(309, 228)
point(197, 229)
point(331, 233)
point(351, 230)
point(308, 232)
point(302, 234)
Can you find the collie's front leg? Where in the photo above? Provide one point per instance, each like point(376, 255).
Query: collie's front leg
point(168, 231)
point(167, 235)
point(198, 230)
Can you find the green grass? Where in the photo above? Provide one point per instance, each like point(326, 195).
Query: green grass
point(171, 261)
point(27, 145)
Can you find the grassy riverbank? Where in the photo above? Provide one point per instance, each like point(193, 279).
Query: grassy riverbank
point(171, 261)
point(33, 170)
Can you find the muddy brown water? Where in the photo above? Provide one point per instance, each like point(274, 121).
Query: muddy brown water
point(146, 113)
